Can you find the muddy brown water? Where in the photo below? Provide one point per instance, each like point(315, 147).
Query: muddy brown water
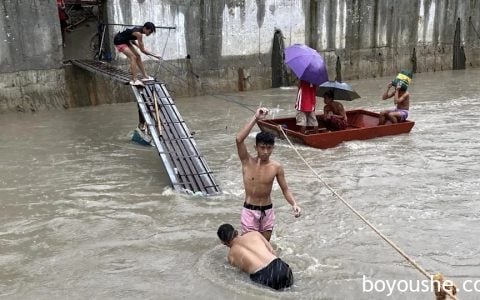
point(85, 213)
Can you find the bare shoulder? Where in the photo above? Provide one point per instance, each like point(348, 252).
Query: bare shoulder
point(275, 163)
point(278, 168)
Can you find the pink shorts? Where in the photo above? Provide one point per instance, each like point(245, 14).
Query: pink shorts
point(257, 218)
point(121, 47)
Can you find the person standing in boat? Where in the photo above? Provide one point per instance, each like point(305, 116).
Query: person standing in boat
point(401, 98)
point(334, 115)
point(305, 106)
point(259, 172)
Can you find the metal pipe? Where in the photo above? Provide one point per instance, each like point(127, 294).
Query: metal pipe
point(100, 49)
point(161, 27)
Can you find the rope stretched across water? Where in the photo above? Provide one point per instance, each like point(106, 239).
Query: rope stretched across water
point(386, 239)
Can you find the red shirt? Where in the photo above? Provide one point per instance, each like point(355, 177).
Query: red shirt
point(61, 10)
point(306, 97)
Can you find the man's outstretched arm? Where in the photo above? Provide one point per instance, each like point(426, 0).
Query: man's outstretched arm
point(261, 113)
point(282, 182)
point(139, 43)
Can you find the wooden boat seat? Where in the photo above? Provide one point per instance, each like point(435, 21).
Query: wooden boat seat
point(320, 130)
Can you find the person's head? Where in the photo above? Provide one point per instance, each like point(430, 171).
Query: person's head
point(226, 233)
point(148, 28)
point(404, 78)
point(328, 97)
point(264, 144)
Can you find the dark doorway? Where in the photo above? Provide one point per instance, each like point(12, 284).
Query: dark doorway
point(81, 33)
point(278, 66)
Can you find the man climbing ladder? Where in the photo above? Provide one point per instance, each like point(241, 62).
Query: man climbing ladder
point(126, 40)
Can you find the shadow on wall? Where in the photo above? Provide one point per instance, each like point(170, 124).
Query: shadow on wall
point(458, 50)
point(280, 76)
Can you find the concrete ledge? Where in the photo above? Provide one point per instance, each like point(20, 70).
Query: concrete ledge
point(88, 89)
point(32, 90)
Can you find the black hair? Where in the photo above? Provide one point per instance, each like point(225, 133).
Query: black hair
point(329, 94)
point(150, 26)
point(264, 137)
point(226, 233)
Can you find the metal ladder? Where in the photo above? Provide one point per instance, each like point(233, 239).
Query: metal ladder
point(186, 167)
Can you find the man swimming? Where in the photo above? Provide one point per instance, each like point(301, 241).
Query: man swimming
point(253, 254)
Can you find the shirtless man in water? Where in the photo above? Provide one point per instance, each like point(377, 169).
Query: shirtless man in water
point(259, 173)
point(401, 100)
point(253, 254)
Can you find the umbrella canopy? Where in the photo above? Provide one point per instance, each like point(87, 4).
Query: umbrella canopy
point(306, 63)
point(341, 90)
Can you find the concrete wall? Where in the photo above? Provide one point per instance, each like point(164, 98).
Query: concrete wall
point(232, 38)
point(31, 74)
point(233, 44)
point(30, 36)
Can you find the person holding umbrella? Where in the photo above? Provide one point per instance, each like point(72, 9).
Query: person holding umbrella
point(309, 67)
point(305, 106)
point(334, 115)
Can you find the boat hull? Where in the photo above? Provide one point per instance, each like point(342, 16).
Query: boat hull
point(362, 125)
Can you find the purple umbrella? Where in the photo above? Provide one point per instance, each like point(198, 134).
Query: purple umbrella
point(306, 63)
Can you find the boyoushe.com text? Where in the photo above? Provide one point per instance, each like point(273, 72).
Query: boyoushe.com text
point(394, 286)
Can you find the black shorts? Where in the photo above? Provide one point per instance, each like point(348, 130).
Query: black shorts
point(276, 275)
point(63, 24)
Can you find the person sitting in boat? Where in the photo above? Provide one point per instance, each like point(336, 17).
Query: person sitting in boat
point(401, 99)
point(334, 116)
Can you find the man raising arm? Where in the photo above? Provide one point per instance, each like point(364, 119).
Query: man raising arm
point(259, 173)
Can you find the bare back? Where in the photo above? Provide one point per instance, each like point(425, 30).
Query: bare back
point(250, 252)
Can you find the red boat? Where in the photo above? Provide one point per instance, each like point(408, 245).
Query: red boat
point(362, 125)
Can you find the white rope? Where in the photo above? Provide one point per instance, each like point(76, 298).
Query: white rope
point(386, 239)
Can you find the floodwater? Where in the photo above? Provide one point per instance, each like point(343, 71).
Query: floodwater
point(86, 213)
